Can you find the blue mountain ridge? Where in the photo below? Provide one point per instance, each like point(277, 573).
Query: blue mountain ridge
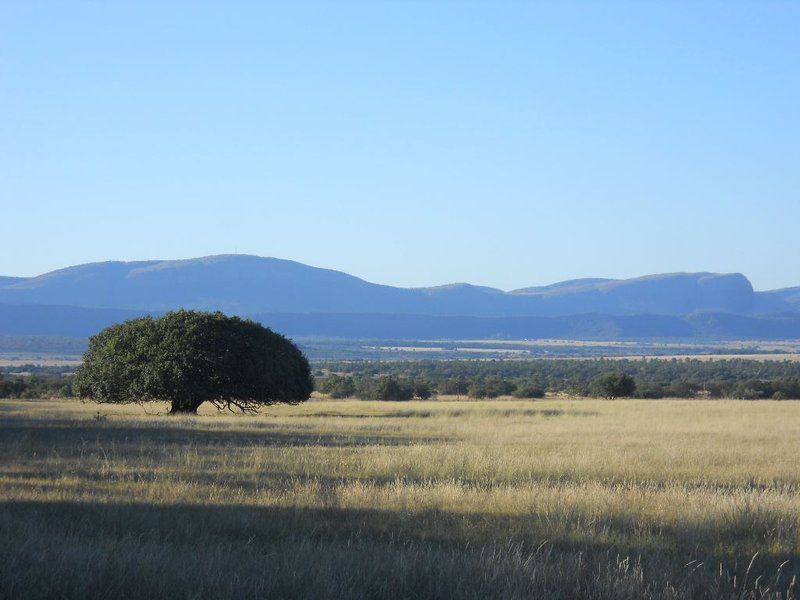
point(298, 299)
point(251, 284)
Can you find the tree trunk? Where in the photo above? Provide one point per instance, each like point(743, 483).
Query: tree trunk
point(184, 407)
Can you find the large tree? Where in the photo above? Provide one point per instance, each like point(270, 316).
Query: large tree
point(190, 357)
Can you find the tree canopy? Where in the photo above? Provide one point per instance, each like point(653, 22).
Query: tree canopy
point(615, 385)
point(190, 357)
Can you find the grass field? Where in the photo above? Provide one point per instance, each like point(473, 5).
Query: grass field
point(349, 499)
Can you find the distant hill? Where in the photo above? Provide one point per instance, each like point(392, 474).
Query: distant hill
point(68, 321)
point(777, 300)
point(699, 326)
point(9, 280)
point(301, 300)
point(670, 294)
point(78, 322)
point(250, 284)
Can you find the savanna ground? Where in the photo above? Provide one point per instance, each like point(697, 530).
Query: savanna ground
point(352, 499)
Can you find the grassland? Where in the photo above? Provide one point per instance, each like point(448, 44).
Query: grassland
point(349, 499)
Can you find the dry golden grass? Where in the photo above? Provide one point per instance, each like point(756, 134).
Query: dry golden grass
point(555, 498)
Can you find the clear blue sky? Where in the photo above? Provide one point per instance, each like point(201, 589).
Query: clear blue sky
point(407, 143)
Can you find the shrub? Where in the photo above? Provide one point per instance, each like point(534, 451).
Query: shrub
point(337, 386)
point(652, 391)
point(614, 385)
point(389, 388)
point(454, 387)
point(529, 389)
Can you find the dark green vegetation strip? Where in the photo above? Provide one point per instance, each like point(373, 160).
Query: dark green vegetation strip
point(677, 378)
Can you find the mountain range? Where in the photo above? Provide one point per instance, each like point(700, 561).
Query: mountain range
point(298, 299)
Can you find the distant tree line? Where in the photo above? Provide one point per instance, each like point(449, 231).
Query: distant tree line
point(406, 380)
point(391, 387)
point(611, 378)
point(36, 382)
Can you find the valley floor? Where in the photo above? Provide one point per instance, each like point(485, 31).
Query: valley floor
point(352, 499)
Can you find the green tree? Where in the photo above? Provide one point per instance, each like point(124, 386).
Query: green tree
point(454, 387)
point(614, 385)
point(337, 386)
point(187, 358)
point(422, 389)
point(528, 389)
point(492, 387)
point(389, 388)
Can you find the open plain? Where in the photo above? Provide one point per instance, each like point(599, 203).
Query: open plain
point(351, 499)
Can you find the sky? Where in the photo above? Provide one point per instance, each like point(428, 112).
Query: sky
point(408, 143)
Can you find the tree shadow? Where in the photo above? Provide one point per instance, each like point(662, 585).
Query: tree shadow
point(65, 435)
point(251, 524)
point(137, 550)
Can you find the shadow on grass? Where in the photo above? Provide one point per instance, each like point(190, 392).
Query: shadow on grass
point(70, 434)
point(123, 550)
point(234, 523)
point(133, 550)
point(450, 413)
